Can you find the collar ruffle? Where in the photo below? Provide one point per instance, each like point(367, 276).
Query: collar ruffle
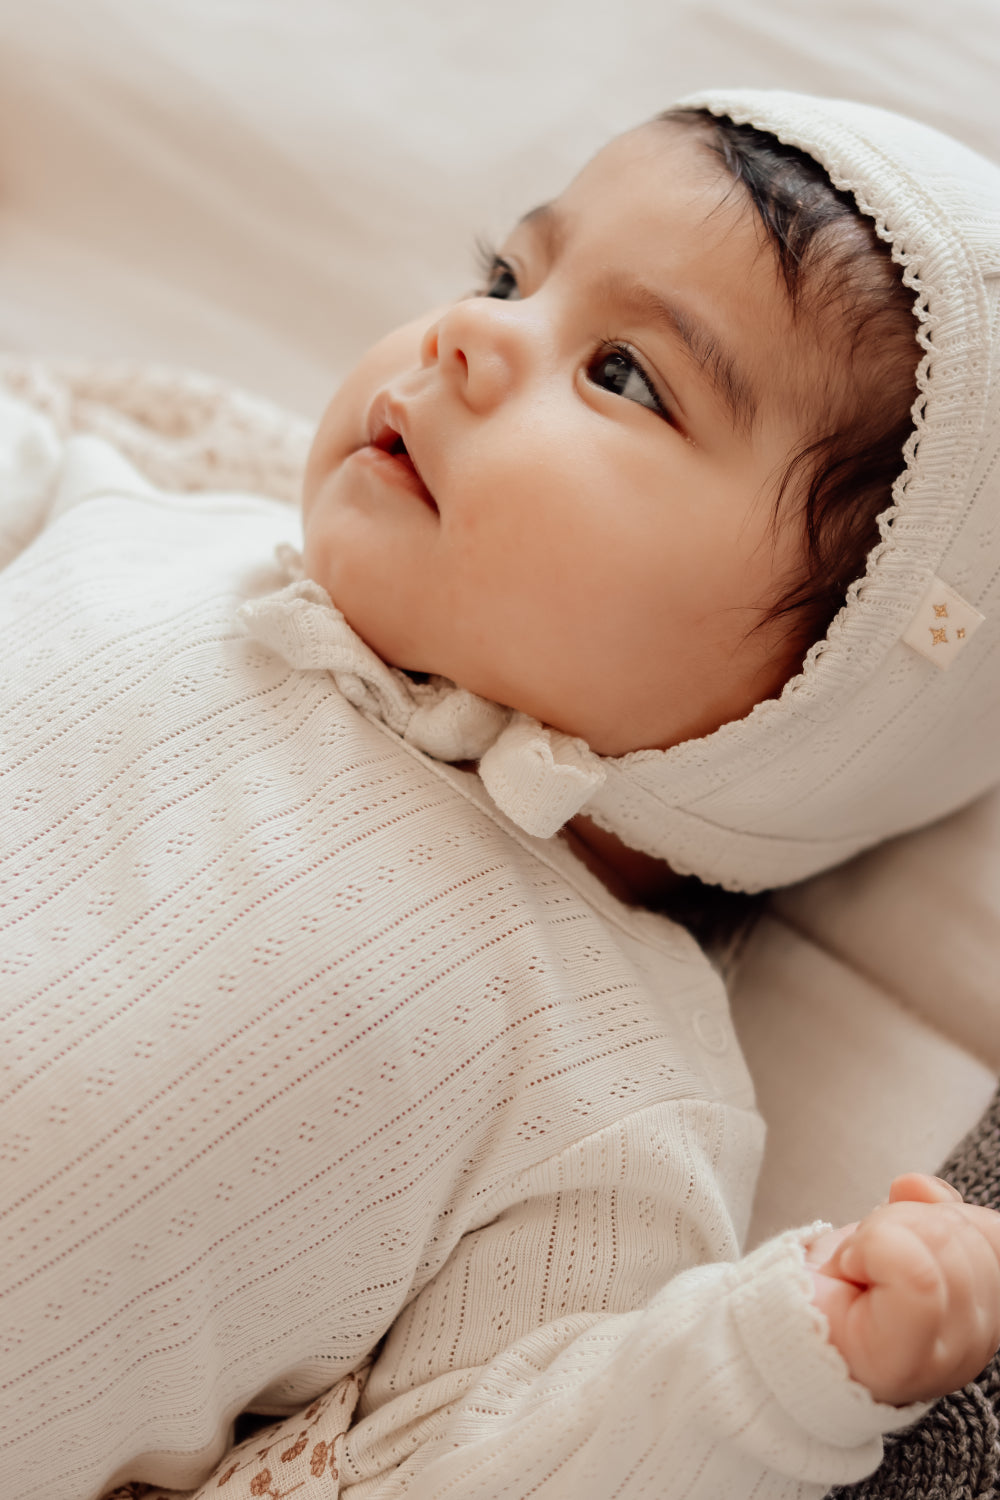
point(538, 777)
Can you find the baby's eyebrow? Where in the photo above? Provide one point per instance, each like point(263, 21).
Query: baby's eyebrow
point(550, 226)
point(733, 388)
point(627, 294)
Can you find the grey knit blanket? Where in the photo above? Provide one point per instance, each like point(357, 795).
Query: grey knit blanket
point(954, 1452)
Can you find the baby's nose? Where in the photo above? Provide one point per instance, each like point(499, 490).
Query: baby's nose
point(483, 346)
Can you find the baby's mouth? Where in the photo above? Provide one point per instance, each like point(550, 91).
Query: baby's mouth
point(390, 442)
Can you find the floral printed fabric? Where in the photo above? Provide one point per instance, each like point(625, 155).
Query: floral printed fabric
point(298, 1456)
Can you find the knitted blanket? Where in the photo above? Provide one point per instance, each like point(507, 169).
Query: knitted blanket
point(183, 430)
point(187, 431)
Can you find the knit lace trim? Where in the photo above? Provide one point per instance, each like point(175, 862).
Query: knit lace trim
point(537, 776)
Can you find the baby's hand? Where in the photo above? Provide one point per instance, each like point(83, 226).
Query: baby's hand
point(912, 1292)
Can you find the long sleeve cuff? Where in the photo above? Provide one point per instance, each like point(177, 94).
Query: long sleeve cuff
point(786, 1338)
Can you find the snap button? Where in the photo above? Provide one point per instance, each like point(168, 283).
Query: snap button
point(711, 1031)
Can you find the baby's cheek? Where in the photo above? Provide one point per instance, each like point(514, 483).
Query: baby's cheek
point(325, 456)
point(314, 563)
point(395, 354)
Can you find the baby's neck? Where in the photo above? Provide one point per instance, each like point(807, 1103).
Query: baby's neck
point(635, 878)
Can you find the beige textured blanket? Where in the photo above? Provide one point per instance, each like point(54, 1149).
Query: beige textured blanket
point(183, 430)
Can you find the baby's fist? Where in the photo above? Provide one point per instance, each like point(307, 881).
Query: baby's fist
point(912, 1292)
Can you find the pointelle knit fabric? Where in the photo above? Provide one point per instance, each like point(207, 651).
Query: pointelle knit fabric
point(327, 1090)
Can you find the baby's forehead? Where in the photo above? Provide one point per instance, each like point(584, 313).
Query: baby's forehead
point(665, 162)
point(662, 185)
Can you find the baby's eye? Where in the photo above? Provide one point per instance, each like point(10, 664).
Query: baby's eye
point(617, 370)
point(499, 279)
point(501, 282)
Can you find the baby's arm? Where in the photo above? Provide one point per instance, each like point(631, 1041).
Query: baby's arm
point(912, 1292)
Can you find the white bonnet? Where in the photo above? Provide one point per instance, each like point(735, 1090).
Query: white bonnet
point(894, 719)
point(875, 735)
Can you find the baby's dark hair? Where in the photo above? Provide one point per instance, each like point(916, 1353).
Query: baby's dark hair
point(836, 269)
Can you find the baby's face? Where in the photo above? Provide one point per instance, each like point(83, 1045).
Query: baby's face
point(580, 523)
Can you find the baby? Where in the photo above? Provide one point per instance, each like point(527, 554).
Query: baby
point(344, 1056)
point(606, 535)
point(572, 494)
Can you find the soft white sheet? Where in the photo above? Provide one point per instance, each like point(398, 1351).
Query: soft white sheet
point(259, 187)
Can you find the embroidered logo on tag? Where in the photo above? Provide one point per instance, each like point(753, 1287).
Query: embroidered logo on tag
point(943, 624)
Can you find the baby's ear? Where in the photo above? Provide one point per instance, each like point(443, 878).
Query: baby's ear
point(920, 1187)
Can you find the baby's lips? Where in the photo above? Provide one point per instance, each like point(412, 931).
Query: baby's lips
point(389, 430)
point(386, 421)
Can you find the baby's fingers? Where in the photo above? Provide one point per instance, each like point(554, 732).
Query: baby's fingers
point(926, 1317)
point(913, 1237)
point(920, 1187)
point(888, 1249)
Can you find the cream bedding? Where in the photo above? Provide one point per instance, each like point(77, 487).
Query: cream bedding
point(257, 188)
